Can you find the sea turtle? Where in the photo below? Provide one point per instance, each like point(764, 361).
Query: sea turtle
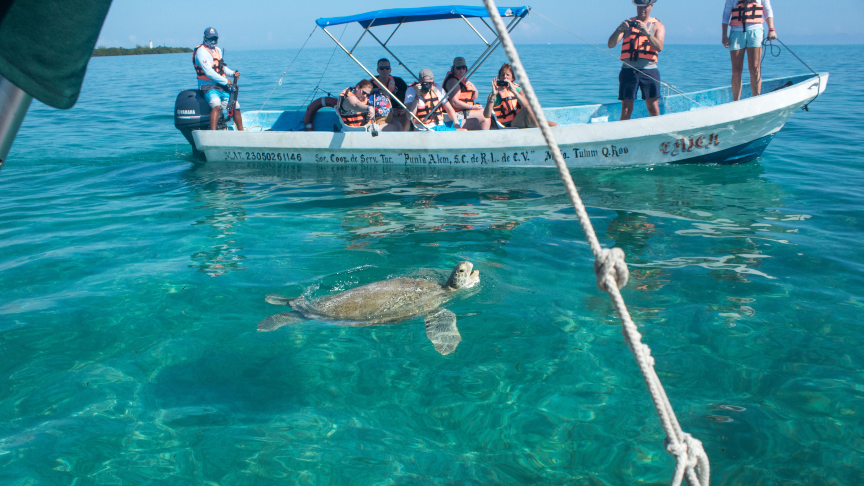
point(384, 302)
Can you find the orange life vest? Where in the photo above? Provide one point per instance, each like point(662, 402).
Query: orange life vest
point(430, 99)
point(351, 118)
point(506, 111)
point(218, 65)
point(636, 45)
point(746, 12)
point(390, 86)
point(467, 91)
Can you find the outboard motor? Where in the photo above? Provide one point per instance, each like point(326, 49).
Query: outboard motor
point(192, 112)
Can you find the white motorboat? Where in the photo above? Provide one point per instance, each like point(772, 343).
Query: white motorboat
point(698, 127)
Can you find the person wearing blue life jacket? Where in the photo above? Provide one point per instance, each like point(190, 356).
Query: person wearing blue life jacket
point(745, 17)
point(214, 78)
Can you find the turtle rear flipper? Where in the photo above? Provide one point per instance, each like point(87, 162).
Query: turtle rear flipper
point(276, 299)
point(441, 330)
point(284, 319)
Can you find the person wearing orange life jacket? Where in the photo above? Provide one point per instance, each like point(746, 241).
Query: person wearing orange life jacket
point(507, 103)
point(643, 38)
point(421, 98)
point(356, 110)
point(395, 85)
point(214, 78)
point(353, 104)
point(462, 98)
point(745, 17)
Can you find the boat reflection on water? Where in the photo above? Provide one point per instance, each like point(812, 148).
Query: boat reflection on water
point(651, 214)
point(223, 198)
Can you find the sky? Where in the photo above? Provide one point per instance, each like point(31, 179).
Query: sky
point(284, 24)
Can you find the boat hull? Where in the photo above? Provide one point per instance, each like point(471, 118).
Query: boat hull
point(733, 132)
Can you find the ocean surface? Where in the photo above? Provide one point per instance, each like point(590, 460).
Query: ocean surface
point(132, 278)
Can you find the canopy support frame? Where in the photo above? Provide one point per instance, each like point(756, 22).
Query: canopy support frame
point(487, 26)
point(392, 96)
point(384, 45)
point(362, 35)
point(474, 67)
point(394, 32)
point(475, 30)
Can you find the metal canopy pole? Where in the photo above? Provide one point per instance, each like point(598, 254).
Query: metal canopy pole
point(394, 30)
point(392, 96)
point(362, 35)
point(475, 30)
point(384, 45)
point(14, 103)
point(479, 62)
point(487, 26)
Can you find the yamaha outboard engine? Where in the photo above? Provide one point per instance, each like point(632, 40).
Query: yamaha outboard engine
point(192, 112)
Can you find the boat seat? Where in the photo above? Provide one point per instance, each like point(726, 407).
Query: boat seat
point(500, 126)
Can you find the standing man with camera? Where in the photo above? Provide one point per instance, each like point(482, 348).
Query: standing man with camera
point(643, 37)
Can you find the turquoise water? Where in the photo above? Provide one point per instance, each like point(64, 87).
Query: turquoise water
point(132, 280)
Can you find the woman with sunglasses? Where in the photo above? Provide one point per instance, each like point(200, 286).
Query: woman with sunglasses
point(356, 110)
point(463, 98)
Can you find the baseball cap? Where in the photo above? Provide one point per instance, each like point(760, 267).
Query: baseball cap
point(210, 33)
point(643, 3)
point(426, 73)
point(459, 61)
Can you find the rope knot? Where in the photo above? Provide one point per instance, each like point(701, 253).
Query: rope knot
point(687, 451)
point(611, 263)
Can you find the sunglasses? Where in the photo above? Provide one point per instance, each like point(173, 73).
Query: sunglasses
point(366, 93)
point(461, 67)
point(383, 68)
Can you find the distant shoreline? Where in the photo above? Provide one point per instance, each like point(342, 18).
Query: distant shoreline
point(103, 51)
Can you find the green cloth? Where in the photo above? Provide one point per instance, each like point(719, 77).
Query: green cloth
point(45, 46)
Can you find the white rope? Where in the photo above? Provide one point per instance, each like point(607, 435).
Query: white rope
point(691, 462)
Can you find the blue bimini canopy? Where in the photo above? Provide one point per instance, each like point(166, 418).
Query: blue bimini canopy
point(405, 15)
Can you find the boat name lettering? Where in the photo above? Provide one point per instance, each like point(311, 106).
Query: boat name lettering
point(610, 151)
point(264, 156)
point(582, 153)
point(613, 151)
point(688, 144)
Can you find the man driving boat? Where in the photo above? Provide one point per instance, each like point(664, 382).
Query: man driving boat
point(643, 37)
point(210, 68)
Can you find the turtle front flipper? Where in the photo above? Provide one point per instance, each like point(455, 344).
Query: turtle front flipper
point(284, 319)
point(276, 299)
point(441, 330)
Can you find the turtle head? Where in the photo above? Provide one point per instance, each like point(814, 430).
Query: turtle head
point(463, 277)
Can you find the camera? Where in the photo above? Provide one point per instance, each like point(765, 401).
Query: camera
point(633, 23)
point(503, 83)
point(425, 87)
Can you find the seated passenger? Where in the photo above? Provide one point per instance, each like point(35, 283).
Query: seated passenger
point(509, 105)
point(462, 99)
point(395, 85)
point(355, 109)
point(421, 98)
